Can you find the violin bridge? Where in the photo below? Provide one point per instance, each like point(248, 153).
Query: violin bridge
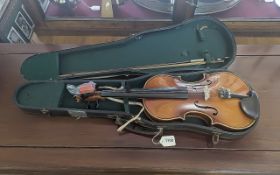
point(206, 93)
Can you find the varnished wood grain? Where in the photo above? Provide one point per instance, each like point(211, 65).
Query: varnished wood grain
point(253, 27)
point(81, 40)
point(258, 50)
point(225, 113)
point(6, 49)
point(31, 143)
point(142, 161)
point(260, 40)
point(109, 27)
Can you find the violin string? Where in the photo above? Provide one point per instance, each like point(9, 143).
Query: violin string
point(196, 93)
point(114, 88)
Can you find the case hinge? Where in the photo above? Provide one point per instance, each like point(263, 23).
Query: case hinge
point(44, 111)
point(207, 57)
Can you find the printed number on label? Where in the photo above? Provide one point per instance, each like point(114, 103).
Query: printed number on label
point(167, 141)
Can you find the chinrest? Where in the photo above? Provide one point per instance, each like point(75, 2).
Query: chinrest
point(251, 106)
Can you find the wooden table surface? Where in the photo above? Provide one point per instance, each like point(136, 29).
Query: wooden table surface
point(63, 145)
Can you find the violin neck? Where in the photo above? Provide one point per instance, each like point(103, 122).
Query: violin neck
point(160, 93)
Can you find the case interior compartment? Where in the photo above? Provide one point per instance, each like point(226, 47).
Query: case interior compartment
point(202, 38)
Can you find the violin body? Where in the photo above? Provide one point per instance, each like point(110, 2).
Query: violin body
point(208, 105)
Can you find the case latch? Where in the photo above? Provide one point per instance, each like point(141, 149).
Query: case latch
point(44, 111)
point(77, 114)
point(215, 138)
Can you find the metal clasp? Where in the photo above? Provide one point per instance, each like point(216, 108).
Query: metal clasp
point(45, 111)
point(215, 138)
point(77, 114)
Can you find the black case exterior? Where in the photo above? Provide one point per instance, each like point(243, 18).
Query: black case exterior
point(112, 63)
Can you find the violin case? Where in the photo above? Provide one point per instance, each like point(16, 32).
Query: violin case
point(113, 64)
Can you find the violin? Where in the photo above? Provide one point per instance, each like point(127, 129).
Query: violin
point(216, 99)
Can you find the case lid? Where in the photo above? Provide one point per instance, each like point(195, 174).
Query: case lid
point(202, 42)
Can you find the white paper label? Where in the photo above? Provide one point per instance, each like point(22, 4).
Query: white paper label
point(167, 141)
point(95, 8)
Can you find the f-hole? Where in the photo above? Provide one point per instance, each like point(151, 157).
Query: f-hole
point(215, 111)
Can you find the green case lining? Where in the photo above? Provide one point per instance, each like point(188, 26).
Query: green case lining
point(202, 37)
